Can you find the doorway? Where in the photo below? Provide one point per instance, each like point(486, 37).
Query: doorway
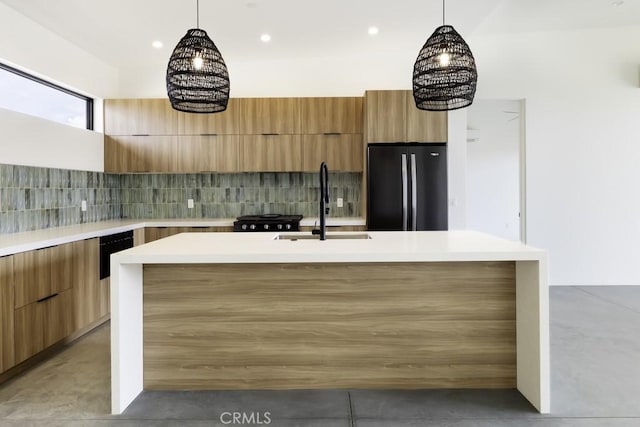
point(495, 168)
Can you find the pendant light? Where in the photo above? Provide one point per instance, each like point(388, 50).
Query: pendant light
point(197, 77)
point(444, 75)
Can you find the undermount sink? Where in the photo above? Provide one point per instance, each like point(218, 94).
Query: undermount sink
point(294, 237)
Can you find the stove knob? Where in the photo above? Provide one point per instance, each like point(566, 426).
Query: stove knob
point(279, 226)
point(244, 226)
point(252, 226)
point(288, 226)
point(266, 226)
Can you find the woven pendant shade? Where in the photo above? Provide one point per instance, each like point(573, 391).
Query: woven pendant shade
point(444, 75)
point(197, 77)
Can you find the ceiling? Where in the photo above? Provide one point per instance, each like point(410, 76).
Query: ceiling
point(120, 32)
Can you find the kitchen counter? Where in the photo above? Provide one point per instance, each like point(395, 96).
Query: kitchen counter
point(31, 240)
point(399, 310)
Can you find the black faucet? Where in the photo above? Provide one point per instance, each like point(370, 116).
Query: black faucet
point(324, 199)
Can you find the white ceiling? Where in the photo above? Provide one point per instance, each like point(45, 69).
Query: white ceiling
point(120, 32)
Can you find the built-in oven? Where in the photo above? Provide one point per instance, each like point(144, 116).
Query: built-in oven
point(112, 244)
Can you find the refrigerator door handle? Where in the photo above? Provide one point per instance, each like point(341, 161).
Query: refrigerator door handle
point(405, 193)
point(414, 194)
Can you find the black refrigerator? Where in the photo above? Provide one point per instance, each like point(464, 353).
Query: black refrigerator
point(406, 187)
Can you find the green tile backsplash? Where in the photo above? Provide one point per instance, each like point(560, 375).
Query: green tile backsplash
point(33, 198)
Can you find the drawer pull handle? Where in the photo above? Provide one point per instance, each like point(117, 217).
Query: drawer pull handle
point(47, 298)
point(332, 133)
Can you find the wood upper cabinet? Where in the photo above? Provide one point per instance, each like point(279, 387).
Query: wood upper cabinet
point(391, 116)
point(425, 126)
point(141, 154)
point(208, 153)
point(224, 123)
point(342, 152)
point(140, 117)
point(7, 354)
point(271, 153)
point(331, 115)
point(259, 116)
point(385, 116)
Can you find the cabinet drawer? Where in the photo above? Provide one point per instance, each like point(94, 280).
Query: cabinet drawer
point(7, 358)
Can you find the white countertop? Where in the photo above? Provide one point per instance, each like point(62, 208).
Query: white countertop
point(419, 246)
point(31, 240)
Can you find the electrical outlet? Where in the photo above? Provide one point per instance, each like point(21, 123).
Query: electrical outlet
point(190, 203)
point(339, 202)
point(83, 206)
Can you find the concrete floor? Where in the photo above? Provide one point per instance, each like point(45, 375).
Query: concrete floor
point(595, 367)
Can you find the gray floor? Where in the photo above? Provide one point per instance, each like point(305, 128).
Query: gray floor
point(595, 367)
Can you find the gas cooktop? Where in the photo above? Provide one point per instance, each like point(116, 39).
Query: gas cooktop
point(267, 222)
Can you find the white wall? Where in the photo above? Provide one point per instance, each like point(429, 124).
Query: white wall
point(457, 169)
point(32, 141)
point(336, 76)
point(583, 145)
point(493, 168)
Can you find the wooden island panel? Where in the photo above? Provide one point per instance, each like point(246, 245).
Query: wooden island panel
point(301, 326)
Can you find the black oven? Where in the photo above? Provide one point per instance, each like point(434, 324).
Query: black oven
point(111, 244)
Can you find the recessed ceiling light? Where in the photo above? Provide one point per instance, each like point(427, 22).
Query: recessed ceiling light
point(157, 44)
point(265, 38)
point(373, 31)
point(618, 3)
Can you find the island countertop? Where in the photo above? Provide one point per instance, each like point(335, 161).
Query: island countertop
point(389, 246)
point(143, 277)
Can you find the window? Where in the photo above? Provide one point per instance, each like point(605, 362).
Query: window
point(28, 94)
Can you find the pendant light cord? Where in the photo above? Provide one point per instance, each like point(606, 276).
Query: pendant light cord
point(443, 12)
point(198, 14)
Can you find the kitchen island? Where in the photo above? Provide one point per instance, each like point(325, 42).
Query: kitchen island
point(400, 310)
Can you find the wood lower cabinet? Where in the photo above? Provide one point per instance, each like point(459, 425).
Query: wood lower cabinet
point(7, 313)
point(138, 237)
point(155, 233)
point(337, 228)
point(90, 296)
point(31, 273)
point(58, 318)
point(342, 152)
point(29, 331)
point(41, 273)
point(41, 324)
point(271, 153)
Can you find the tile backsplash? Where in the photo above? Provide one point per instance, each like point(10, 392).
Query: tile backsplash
point(33, 198)
point(231, 195)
